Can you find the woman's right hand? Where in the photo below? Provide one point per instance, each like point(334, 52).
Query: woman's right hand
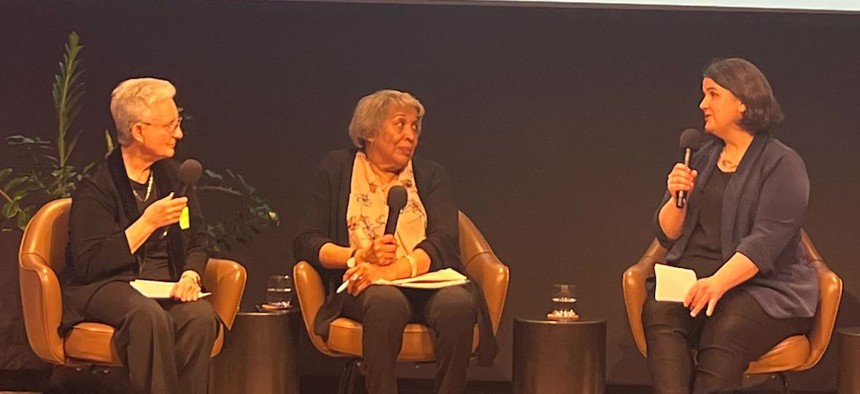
point(361, 277)
point(681, 178)
point(164, 212)
point(382, 252)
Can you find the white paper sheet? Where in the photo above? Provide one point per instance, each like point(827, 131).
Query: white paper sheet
point(431, 280)
point(673, 283)
point(156, 289)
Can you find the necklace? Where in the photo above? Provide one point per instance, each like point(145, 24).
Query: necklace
point(148, 190)
point(726, 163)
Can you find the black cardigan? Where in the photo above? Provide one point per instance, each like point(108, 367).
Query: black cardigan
point(98, 253)
point(324, 221)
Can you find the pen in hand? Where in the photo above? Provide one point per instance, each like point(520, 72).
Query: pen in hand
point(346, 283)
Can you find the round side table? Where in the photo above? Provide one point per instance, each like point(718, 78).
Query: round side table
point(849, 360)
point(559, 357)
point(259, 355)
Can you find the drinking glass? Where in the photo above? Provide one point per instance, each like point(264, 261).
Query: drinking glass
point(563, 302)
point(279, 292)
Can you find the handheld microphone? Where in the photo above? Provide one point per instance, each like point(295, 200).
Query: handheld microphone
point(396, 202)
point(690, 141)
point(189, 173)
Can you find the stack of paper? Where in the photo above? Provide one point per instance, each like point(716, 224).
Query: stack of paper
point(156, 289)
point(431, 280)
point(673, 283)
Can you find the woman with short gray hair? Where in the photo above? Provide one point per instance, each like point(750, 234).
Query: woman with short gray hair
point(124, 225)
point(131, 102)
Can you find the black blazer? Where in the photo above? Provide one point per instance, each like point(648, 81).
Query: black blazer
point(103, 206)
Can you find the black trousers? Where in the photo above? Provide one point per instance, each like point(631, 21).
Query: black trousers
point(385, 310)
point(723, 345)
point(165, 345)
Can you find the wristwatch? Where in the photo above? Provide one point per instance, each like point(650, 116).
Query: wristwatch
point(350, 262)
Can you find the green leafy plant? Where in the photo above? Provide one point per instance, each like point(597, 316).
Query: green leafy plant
point(241, 213)
point(49, 174)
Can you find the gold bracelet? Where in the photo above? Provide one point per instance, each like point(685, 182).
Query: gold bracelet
point(412, 265)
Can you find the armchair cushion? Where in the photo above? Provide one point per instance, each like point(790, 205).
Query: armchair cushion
point(92, 342)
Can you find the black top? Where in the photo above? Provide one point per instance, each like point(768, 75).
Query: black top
point(154, 264)
point(703, 253)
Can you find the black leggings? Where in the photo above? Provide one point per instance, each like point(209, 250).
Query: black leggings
point(724, 344)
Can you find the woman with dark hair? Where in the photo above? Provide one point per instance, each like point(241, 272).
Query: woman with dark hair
point(342, 236)
point(740, 231)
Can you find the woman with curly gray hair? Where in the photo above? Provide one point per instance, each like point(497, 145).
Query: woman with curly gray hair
point(342, 235)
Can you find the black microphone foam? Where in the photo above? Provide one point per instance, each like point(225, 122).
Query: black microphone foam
point(691, 139)
point(396, 202)
point(189, 173)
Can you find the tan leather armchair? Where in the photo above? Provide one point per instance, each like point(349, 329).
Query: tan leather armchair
point(345, 334)
point(796, 353)
point(43, 249)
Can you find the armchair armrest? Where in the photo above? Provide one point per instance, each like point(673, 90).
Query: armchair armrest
point(226, 280)
point(43, 307)
point(830, 288)
point(633, 283)
point(311, 294)
point(484, 267)
point(493, 276)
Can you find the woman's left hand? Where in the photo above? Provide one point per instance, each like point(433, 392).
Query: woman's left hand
point(186, 290)
point(361, 277)
point(706, 292)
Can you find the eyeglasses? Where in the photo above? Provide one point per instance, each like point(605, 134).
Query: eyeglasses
point(171, 127)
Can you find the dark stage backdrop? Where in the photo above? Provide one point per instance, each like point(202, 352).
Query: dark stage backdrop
point(557, 125)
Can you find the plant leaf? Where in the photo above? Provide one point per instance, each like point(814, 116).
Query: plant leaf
point(14, 182)
point(10, 209)
point(4, 173)
point(72, 146)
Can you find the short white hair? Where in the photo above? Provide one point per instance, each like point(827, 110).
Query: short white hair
point(131, 100)
point(372, 109)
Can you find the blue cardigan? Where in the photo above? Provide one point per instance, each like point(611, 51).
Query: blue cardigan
point(762, 214)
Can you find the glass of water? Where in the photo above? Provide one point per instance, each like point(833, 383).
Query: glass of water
point(279, 292)
point(563, 303)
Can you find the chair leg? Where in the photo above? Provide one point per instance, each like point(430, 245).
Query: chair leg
point(348, 375)
point(343, 378)
point(784, 386)
point(353, 375)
